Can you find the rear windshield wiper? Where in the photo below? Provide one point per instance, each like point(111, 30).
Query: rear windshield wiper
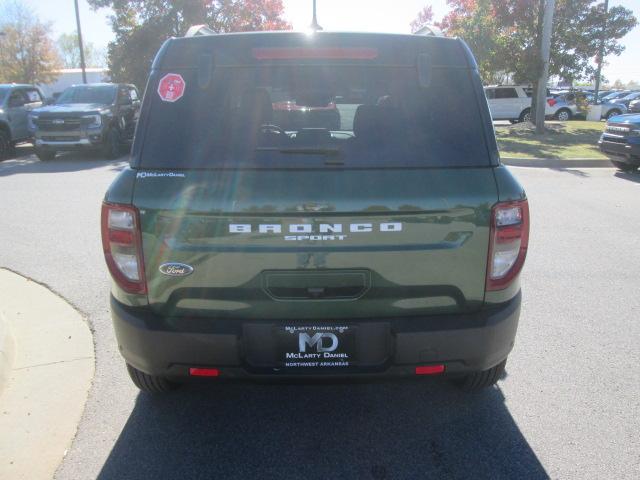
point(334, 154)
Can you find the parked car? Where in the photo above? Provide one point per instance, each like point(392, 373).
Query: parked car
point(238, 249)
point(616, 95)
point(16, 101)
point(512, 102)
point(628, 98)
point(97, 116)
point(634, 106)
point(577, 104)
point(621, 140)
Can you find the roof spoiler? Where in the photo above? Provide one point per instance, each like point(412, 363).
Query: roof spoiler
point(199, 30)
point(430, 30)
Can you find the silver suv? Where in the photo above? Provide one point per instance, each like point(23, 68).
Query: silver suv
point(16, 101)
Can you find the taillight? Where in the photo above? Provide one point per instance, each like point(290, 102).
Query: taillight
point(122, 246)
point(508, 243)
point(551, 101)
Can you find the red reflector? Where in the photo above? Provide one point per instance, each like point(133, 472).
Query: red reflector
point(551, 102)
point(204, 372)
point(121, 236)
point(430, 370)
point(293, 53)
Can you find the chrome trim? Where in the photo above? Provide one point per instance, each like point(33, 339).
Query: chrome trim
point(82, 141)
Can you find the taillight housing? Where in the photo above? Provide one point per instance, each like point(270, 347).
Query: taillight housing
point(551, 101)
point(508, 243)
point(122, 246)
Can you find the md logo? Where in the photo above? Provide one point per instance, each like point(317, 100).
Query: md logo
point(324, 342)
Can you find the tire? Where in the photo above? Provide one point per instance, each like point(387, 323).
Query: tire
point(613, 113)
point(474, 382)
point(5, 145)
point(623, 166)
point(111, 148)
point(45, 155)
point(564, 115)
point(150, 383)
point(525, 116)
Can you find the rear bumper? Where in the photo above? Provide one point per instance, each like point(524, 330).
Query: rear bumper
point(463, 342)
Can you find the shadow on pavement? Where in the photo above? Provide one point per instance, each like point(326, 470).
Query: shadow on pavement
point(632, 177)
point(25, 162)
point(374, 430)
point(572, 171)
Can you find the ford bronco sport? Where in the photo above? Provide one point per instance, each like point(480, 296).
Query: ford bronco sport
point(241, 248)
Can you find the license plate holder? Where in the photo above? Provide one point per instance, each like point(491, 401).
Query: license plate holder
point(315, 347)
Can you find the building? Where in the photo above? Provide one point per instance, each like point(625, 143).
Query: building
point(73, 76)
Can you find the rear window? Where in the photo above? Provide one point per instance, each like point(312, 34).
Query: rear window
point(280, 116)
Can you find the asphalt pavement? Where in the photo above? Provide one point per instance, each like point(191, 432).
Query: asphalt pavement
point(569, 406)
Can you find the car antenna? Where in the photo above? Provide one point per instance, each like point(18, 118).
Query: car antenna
point(315, 27)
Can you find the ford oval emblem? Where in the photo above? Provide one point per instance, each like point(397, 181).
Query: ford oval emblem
point(176, 269)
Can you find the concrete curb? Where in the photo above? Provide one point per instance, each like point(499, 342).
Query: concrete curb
point(48, 380)
point(557, 163)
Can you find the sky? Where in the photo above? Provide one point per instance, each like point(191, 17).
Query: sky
point(340, 15)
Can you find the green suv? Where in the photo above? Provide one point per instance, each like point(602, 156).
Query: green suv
point(246, 245)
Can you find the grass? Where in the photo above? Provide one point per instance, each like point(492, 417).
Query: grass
point(562, 140)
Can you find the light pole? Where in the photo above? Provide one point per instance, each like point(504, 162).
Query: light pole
point(314, 23)
point(84, 73)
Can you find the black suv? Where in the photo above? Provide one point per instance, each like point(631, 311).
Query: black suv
point(99, 116)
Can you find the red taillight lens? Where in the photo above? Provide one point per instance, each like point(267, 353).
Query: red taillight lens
point(551, 101)
point(508, 243)
point(204, 372)
point(430, 370)
point(122, 246)
point(304, 53)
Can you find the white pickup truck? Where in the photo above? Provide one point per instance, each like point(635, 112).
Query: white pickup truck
point(512, 102)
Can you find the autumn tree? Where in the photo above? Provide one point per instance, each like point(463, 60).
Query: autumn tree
point(140, 27)
point(27, 52)
point(504, 35)
point(424, 18)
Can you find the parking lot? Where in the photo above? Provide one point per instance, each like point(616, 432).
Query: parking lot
point(569, 406)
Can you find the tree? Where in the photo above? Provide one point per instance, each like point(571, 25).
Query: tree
point(504, 35)
point(27, 52)
point(140, 27)
point(69, 50)
point(424, 18)
point(477, 23)
point(618, 85)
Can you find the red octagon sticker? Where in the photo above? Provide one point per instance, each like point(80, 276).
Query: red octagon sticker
point(171, 87)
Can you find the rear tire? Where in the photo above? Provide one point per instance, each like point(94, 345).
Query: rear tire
point(474, 382)
point(45, 155)
point(525, 116)
point(5, 145)
point(111, 148)
point(564, 115)
point(152, 384)
point(623, 166)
